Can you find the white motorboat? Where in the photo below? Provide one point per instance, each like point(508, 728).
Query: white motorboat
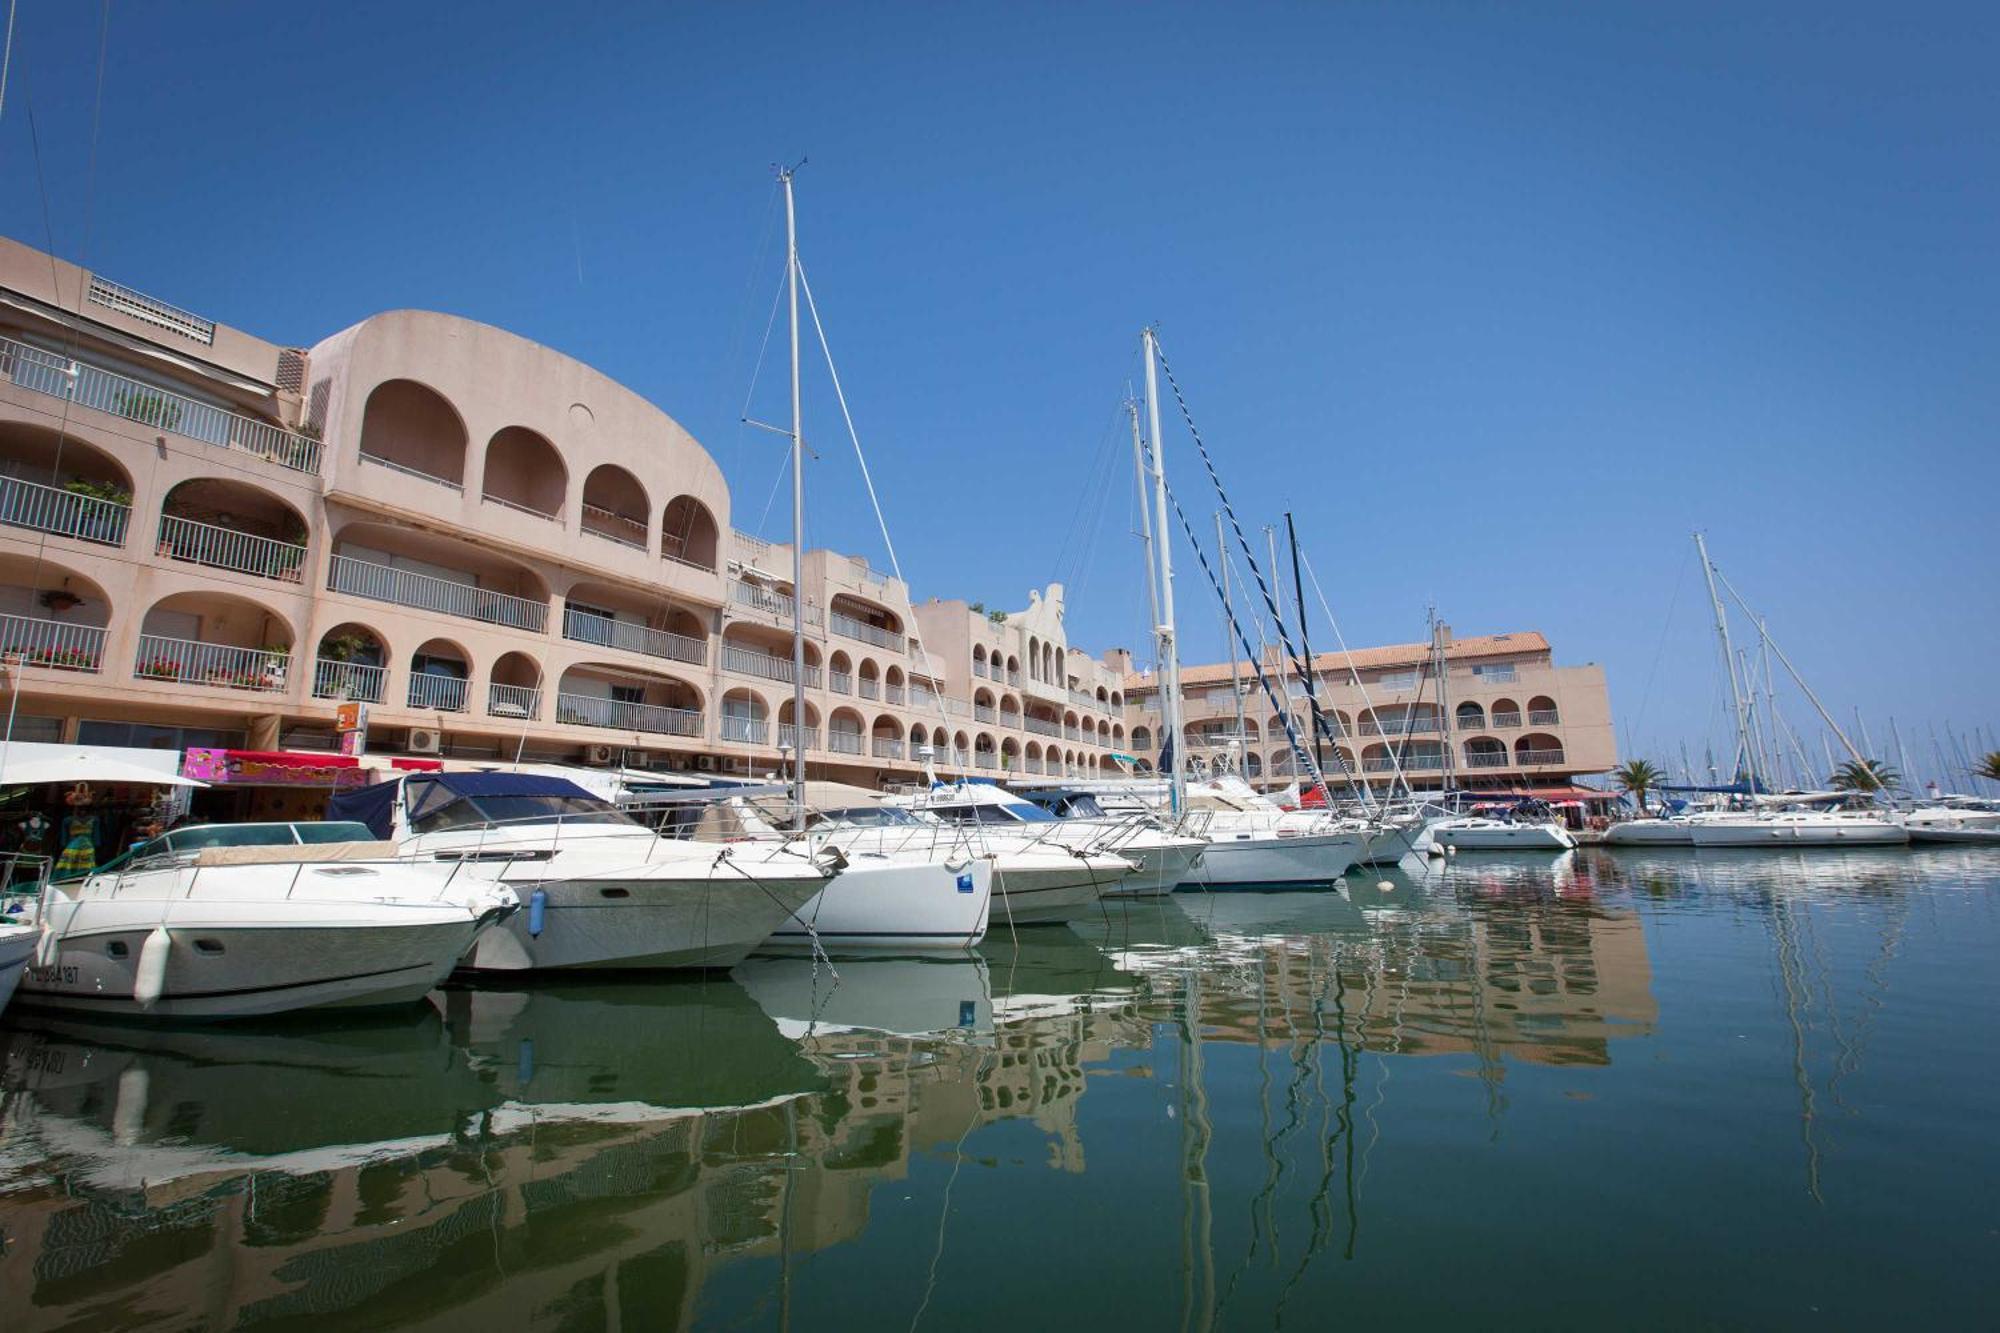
point(1163, 857)
point(17, 946)
point(1661, 831)
point(1476, 833)
point(1975, 835)
point(1796, 828)
point(599, 889)
point(1950, 818)
point(1252, 843)
point(1038, 879)
point(240, 920)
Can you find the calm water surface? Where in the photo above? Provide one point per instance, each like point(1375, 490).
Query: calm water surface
point(1653, 1090)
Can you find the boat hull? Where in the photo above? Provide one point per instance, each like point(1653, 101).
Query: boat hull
point(1051, 890)
point(1249, 861)
point(1971, 836)
point(880, 905)
point(1390, 844)
point(1506, 838)
point(17, 946)
point(1649, 833)
point(1751, 834)
point(1162, 868)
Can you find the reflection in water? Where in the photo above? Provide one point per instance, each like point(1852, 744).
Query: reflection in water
point(748, 1150)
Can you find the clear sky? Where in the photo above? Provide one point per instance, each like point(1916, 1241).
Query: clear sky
point(1502, 301)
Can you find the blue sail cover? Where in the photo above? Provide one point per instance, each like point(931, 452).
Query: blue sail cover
point(376, 806)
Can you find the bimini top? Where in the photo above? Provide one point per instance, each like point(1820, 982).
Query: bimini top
point(487, 797)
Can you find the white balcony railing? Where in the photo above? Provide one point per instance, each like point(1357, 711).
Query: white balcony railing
point(1472, 722)
point(984, 713)
point(840, 682)
point(1397, 727)
point(1072, 733)
point(756, 597)
point(1506, 719)
point(744, 730)
point(614, 526)
point(754, 547)
point(923, 699)
point(788, 735)
point(437, 694)
point(192, 662)
point(870, 687)
point(226, 548)
point(751, 662)
point(984, 759)
point(1010, 718)
point(592, 710)
point(116, 296)
point(159, 409)
point(844, 742)
point(1528, 758)
point(519, 508)
point(426, 592)
point(380, 460)
point(355, 681)
point(852, 628)
point(586, 627)
point(888, 749)
point(520, 702)
point(58, 644)
point(1543, 717)
point(1486, 759)
point(1042, 726)
point(1014, 679)
point(29, 504)
point(957, 708)
point(893, 694)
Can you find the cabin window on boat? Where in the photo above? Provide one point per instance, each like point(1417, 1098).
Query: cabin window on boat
point(992, 814)
point(862, 816)
point(470, 812)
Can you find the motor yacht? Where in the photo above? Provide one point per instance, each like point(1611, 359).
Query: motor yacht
point(1253, 843)
point(600, 890)
point(1164, 857)
point(240, 920)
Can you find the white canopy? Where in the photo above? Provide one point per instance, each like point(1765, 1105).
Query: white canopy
point(23, 763)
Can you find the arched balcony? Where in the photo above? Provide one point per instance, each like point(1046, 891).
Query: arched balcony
point(615, 506)
point(1470, 717)
point(514, 690)
point(1485, 752)
point(1014, 671)
point(222, 524)
point(351, 663)
point(1281, 764)
point(1542, 712)
point(746, 718)
point(844, 728)
point(1031, 761)
point(612, 617)
point(1376, 759)
point(688, 534)
point(753, 650)
point(440, 677)
point(840, 673)
point(216, 640)
point(412, 429)
point(1142, 738)
point(789, 736)
point(1034, 658)
point(1010, 755)
point(1253, 766)
point(88, 497)
point(894, 685)
point(1505, 713)
point(868, 679)
point(865, 622)
point(617, 699)
point(885, 738)
point(1538, 749)
point(525, 472)
point(985, 752)
point(51, 617)
point(983, 709)
point(1010, 712)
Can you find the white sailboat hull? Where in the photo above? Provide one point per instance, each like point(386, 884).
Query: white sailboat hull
point(1267, 860)
point(879, 904)
point(1496, 836)
point(1390, 844)
point(1650, 833)
point(1163, 866)
point(1797, 831)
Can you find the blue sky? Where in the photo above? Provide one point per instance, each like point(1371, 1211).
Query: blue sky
point(1501, 300)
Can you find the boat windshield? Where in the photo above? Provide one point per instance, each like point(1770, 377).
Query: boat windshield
point(1071, 805)
point(862, 816)
point(991, 814)
point(195, 837)
point(477, 811)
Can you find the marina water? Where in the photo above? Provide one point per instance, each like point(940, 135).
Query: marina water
point(1634, 1089)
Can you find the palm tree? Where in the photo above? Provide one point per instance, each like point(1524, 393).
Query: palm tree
point(1865, 775)
point(1638, 777)
point(1989, 767)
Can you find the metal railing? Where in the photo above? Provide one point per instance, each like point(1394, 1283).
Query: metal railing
point(29, 504)
point(149, 405)
point(768, 600)
point(1527, 757)
point(1072, 733)
point(437, 694)
point(520, 702)
point(751, 662)
point(1010, 718)
point(225, 548)
point(592, 710)
point(847, 625)
point(922, 699)
point(894, 694)
point(984, 759)
point(888, 749)
point(1543, 717)
point(840, 682)
point(117, 296)
point(40, 642)
point(844, 742)
point(1014, 679)
point(585, 627)
point(957, 708)
point(519, 508)
point(356, 681)
point(1504, 720)
point(1031, 765)
point(788, 735)
point(756, 546)
point(426, 592)
point(613, 526)
point(1467, 722)
point(380, 460)
point(744, 730)
point(984, 713)
point(870, 688)
point(1042, 726)
point(1409, 763)
point(1395, 727)
point(1486, 759)
point(193, 662)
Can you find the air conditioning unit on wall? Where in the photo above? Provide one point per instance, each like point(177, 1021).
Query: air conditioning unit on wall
point(425, 740)
point(601, 755)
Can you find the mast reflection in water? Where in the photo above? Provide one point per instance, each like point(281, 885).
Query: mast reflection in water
point(1654, 1088)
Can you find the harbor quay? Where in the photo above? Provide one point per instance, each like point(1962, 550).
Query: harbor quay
point(212, 543)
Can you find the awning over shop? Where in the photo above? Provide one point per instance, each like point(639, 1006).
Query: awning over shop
point(26, 763)
point(292, 768)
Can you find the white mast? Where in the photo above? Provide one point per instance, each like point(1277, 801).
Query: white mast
point(1729, 660)
point(1170, 666)
point(798, 521)
point(1145, 510)
point(1229, 640)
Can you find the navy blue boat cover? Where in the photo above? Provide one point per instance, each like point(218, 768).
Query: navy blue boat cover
point(376, 806)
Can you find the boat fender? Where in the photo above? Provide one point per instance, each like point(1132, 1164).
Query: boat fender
point(1384, 886)
point(538, 906)
point(150, 979)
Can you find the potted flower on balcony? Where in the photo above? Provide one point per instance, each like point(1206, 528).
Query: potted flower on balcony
point(161, 668)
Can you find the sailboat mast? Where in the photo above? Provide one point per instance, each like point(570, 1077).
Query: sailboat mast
point(1306, 655)
point(1228, 627)
point(798, 520)
point(1170, 681)
point(1145, 509)
point(1728, 658)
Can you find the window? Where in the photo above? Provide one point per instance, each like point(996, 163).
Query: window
point(140, 736)
point(628, 694)
point(1397, 680)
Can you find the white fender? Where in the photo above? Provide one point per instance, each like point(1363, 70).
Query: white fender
point(151, 977)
